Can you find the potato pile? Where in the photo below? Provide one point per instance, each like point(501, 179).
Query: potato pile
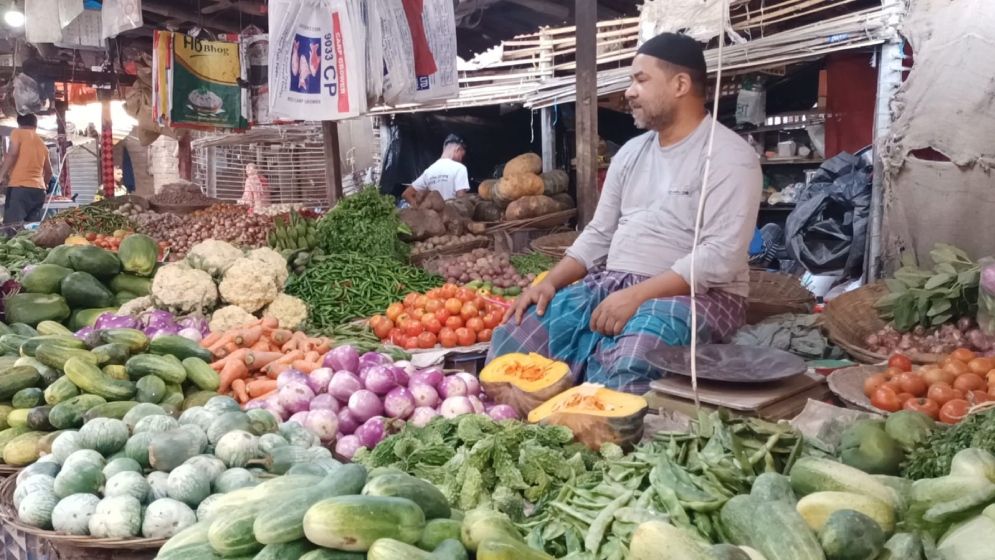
point(523, 191)
point(443, 241)
point(482, 265)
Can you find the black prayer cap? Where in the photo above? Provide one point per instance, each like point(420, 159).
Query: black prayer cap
point(676, 48)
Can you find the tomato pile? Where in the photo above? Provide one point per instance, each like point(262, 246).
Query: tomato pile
point(112, 242)
point(448, 316)
point(944, 391)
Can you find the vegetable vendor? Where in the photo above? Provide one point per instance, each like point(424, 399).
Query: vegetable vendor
point(447, 176)
point(622, 290)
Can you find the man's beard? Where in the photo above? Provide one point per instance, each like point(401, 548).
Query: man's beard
point(657, 121)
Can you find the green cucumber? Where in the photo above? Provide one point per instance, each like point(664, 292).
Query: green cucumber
point(201, 374)
point(431, 500)
point(91, 379)
point(180, 347)
point(116, 409)
point(773, 528)
point(69, 414)
point(168, 368)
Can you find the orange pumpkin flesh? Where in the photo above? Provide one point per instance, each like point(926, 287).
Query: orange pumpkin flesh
point(524, 381)
point(596, 415)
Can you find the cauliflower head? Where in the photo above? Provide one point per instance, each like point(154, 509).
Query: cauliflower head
point(290, 311)
point(213, 256)
point(229, 317)
point(275, 262)
point(136, 306)
point(183, 290)
point(249, 284)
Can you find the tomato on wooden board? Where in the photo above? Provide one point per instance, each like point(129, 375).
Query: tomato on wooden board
point(954, 411)
point(901, 362)
point(873, 382)
point(970, 382)
point(943, 393)
point(913, 383)
point(886, 398)
point(923, 405)
point(963, 354)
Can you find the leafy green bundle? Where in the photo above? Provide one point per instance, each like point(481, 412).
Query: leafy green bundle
point(366, 223)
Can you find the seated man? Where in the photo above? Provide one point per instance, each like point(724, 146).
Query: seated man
point(604, 325)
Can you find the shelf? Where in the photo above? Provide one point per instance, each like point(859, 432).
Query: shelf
point(792, 161)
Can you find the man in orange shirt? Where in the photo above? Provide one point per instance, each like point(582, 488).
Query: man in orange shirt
point(30, 170)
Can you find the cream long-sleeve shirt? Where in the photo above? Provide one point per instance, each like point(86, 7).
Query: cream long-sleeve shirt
point(644, 222)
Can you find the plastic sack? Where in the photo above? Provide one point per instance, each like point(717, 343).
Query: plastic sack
point(317, 65)
point(751, 106)
point(986, 298)
point(827, 230)
point(27, 95)
point(118, 16)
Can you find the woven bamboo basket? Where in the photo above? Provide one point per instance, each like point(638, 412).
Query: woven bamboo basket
point(545, 221)
point(554, 245)
point(418, 259)
point(7, 470)
point(74, 547)
point(851, 317)
point(773, 293)
point(848, 385)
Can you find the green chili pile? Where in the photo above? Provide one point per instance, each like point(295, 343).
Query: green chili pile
point(95, 219)
point(365, 223)
point(342, 287)
point(532, 263)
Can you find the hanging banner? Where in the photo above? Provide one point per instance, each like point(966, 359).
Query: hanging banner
point(316, 59)
point(162, 62)
point(427, 68)
point(39, 25)
point(203, 88)
point(68, 11)
point(119, 16)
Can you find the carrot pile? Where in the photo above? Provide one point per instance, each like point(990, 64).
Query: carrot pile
point(249, 358)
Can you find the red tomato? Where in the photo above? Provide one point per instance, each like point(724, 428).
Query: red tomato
point(925, 406)
point(469, 311)
point(954, 411)
point(905, 397)
point(448, 338)
point(442, 315)
point(410, 343)
point(886, 399)
point(394, 310)
point(454, 305)
point(977, 397)
point(383, 328)
point(427, 340)
point(417, 313)
point(413, 328)
point(913, 383)
point(936, 375)
point(901, 362)
point(475, 324)
point(432, 324)
point(91, 236)
point(449, 290)
point(396, 337)
point(969, 382)
point(434, 293)
point(492, 319)
point(870, 384)
point(963, 354)
point(465, 336)
point(484, 335)
point(409, 300)
point(943, 393)
point(432, 305)
point(454, 322)
point(465, 295)
point(421, 301)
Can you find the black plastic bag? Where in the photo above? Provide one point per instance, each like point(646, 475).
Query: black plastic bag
point(827, 230)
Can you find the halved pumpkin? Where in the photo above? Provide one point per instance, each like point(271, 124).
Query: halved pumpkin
point(524, 381)
point(596, 415)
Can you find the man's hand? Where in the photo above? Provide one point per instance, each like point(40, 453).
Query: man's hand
point(539, 295)
point(611, 316)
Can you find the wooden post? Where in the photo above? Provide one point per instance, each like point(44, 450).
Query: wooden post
point(185, 155)
point(65, 187)
point(586, 14)
point(548, 133)
point(333, 163)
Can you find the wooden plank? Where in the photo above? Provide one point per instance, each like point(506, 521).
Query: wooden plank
point(586, 14)
point(333, 162)
point(185, 155)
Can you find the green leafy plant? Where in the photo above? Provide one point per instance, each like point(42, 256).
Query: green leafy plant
point(932, 297)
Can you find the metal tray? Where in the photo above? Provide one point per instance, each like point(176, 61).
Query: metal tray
point(729, 362)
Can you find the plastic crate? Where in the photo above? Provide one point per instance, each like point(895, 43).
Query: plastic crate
point(470, 363)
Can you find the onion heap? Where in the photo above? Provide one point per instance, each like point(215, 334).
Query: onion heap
point(226, 222)
point(937, 340)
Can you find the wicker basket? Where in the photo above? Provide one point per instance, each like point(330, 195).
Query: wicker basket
point(7, 470)
point(848, 385)
point(181, 209)
point(851, 317)
point(545, 221)
point(772, 293)
point(419, 259)
point(116, 202)
point(73, 547)
point(554, 245)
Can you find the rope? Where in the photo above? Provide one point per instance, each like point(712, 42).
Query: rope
point(701, 213)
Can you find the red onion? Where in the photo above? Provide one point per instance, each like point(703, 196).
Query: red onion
point(424, 394)
point(380, 380)
point(325, 401)
point(364, 405)
point(318, 379)
point(422, 415)
point(347, 422)
point(399, 403)
point(343, 384)
point(371, 359)
point(478, 406)
point(291, 376)
point(502, 412)
point(322, 423)
point(430, 376)
point(472, 384)
point(347, 446)
point(295, 397)
point(456, 406)
point(341, 358)
point(371, 432)
point(452, 386)
point(400, 375)
point(190, 334)
point(298, 417)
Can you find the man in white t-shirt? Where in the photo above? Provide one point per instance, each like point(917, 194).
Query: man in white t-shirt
point(447, 175)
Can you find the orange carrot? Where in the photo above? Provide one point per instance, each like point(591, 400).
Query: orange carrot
point(210, 339)
point(305, 366)
point(234, 369)
point(260, 386)
point(324, 345)
point(270, 322)
point(281, 336)
point(259, 360)
point(249, 336)
point(312, 356)
point(262, 345)
point(275, 369)
point(226, 350)
point(238, 387)
point(224, 339)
